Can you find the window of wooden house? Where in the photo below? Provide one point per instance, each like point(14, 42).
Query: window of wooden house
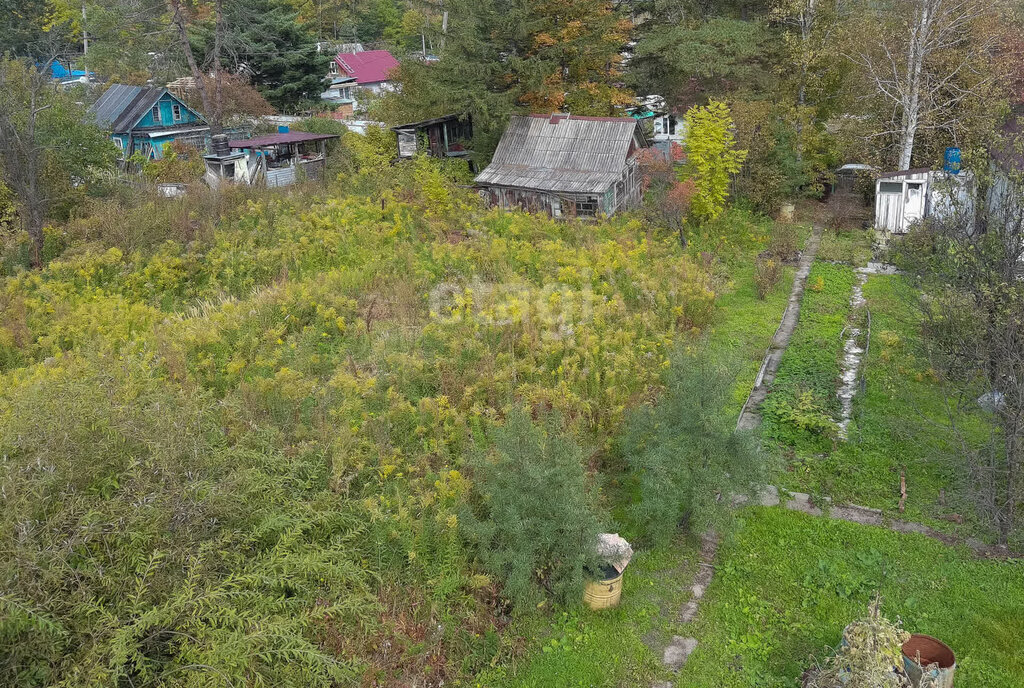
point(156, 114)
point(176, 110)
point(587, 207)
point(890, 187)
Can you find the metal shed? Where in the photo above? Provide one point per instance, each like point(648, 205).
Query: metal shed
point(908, 196)
point(566, 166)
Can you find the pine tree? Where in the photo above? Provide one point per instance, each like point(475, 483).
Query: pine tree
point(264, 40)
point(535, 522)
point(687, 459)
point(504, 56)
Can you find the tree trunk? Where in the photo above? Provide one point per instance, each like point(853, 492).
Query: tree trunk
point(915, 67)
point(34, 227)
point(1010, 511)
point(32, 200)
point(178, 19)
point(216, 125)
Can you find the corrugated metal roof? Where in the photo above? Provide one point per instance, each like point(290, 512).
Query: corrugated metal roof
point(562, 153)
point(112, 103)
point(275, 139)
point(368, 66)
point(428, 122)
point(121, 106)
point(905, 173)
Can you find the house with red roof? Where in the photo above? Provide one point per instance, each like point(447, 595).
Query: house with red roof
point(371, 69)
point(352, 72)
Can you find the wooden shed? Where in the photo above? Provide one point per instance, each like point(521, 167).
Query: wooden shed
point(440, 137)
point(566, 166)
point(283, 158)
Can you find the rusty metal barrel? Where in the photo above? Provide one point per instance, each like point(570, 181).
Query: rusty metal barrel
point(923, 656)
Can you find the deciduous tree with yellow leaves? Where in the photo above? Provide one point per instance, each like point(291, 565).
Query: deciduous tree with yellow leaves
point(711, 157)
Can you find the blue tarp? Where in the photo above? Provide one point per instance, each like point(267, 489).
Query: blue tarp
point(59, 71)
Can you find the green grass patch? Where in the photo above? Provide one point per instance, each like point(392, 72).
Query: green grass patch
point(787, 584)
point(900, 423)
point(744, 326)
point(802, 405)
point(582, 648)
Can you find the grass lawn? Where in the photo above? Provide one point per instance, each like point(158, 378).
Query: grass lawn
point(744, 326)
point(802, 404)
point(586, 649)
point(900, 422)
point(787, 584)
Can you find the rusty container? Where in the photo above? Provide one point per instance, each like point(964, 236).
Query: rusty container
point(925, 655)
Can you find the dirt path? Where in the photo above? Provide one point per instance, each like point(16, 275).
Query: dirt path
point(750, 418)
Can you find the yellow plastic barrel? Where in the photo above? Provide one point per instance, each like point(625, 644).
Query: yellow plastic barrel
point(603, 594)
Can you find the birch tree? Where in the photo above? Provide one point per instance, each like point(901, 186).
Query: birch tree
point(927, 61)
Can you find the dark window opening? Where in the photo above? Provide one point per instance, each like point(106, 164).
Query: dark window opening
point(587, 207)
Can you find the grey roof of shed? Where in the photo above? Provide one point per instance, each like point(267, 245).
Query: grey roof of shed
point(121, 106)
point(562, 153)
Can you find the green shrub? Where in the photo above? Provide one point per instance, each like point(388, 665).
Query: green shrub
point(141, 549)
point(534, 522)
point(684, 453)
point(806, 416)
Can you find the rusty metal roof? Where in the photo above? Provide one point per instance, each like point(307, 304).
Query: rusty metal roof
point(563, 153)
point(277, 139)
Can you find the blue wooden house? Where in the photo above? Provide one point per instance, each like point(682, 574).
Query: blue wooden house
point(145, 119)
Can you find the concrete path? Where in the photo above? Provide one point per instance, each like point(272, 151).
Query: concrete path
point(750, 418)
point(678, 651)
point(867, 516)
